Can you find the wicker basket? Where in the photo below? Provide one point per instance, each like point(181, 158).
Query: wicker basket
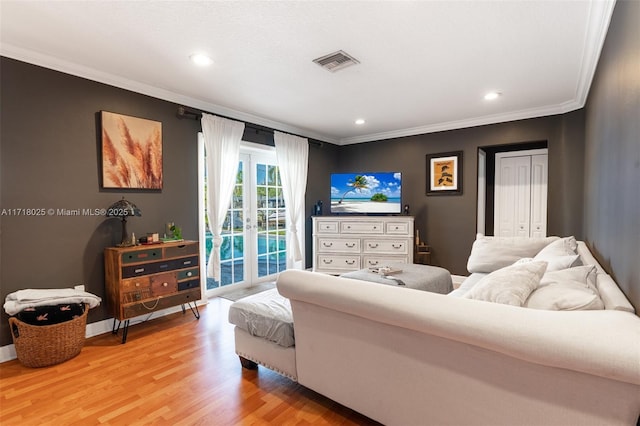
point(43, 345)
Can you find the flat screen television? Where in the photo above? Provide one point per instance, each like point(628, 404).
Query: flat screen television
point(366, 193)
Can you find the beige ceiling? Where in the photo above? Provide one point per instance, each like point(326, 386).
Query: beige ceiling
point(424, 65)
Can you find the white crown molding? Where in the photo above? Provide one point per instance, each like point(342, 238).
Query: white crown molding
point(471, 122)
point(600, 13)
point(56, 64)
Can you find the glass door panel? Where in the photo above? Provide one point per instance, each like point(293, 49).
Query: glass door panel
point(254, 231)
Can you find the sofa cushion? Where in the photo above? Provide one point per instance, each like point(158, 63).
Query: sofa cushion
point(489, 254)
point(567, 290)
point(510, 285)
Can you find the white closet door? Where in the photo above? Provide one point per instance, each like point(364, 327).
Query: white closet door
point(539, 170)
point(513, 196)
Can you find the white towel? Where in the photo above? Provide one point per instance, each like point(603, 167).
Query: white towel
point(30, 298)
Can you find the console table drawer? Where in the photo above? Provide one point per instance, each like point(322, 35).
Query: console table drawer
point(354, 227)
point(338, 245)
point(157, 303)
point(164, 284)
point(181, 250)
point(386, 246)
point(339, 262)
point(142, 255)
point(188, 273)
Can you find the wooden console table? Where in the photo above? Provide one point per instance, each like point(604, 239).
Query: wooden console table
point(148, 278)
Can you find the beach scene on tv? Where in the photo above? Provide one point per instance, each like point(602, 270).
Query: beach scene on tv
point(366, 192)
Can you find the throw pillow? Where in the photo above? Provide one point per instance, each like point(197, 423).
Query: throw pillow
point(510, 285)
point(566, 246)
point(488, 254)
point(567, 290)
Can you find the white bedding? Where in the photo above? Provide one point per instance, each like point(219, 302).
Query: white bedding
point(266, 314)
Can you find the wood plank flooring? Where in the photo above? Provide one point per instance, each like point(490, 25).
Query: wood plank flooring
point(173, 370)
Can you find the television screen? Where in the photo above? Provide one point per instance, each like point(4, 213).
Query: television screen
point(364, 193)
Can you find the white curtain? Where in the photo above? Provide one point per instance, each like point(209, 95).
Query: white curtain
point(222, 145)
point(293, 158)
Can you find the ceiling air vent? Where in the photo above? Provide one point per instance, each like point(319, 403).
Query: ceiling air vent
point(336, 61)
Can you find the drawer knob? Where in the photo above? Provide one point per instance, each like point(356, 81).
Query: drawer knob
point(189, 274)
point(137, 284)
point(165, 284)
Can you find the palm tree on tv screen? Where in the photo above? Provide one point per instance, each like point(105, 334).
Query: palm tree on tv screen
point(358, 184)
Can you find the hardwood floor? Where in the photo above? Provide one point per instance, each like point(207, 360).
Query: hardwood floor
point(173, 370)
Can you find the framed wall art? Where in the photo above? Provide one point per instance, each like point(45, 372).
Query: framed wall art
point(131, 152)
point(444, 173)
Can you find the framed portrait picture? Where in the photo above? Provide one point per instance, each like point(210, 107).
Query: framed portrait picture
point(444, 173)
point(131, 152)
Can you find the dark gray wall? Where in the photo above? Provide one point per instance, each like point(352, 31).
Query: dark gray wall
point(50, 159)
point(612, 160)
point(448, 223)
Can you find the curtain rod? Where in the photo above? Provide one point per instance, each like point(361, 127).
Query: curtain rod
point(184, 112)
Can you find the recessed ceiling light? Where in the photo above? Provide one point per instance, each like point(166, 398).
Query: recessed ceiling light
point(492, 95)
point(360, 121)
point(201, 59)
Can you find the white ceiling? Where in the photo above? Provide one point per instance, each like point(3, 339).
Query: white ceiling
point(424, 65)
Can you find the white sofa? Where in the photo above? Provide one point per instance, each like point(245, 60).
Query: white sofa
point(409, 357)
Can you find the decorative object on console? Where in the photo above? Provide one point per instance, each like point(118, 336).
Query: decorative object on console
point(444, 173)
point(122, 209)
point(131, 152)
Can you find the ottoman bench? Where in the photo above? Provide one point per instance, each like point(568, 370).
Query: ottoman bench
point(418, 277)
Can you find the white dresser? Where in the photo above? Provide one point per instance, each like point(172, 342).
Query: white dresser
point(343, 244)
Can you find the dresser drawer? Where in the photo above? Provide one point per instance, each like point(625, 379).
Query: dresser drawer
point(378, 261)
point(338, 245)
point(398, 228)
point(327, 227)
point(347, 263)
point(164, 284)
point(347, 227)
point(385, 246)
point(142, 255)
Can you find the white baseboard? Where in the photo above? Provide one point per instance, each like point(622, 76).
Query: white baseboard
point(8, 352)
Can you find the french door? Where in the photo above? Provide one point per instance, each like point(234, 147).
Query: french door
point(254, 231)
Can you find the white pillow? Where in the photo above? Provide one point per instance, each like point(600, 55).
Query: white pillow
point(567, 290)
point(489, 254)
point(566, 246)
point(510, 285)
